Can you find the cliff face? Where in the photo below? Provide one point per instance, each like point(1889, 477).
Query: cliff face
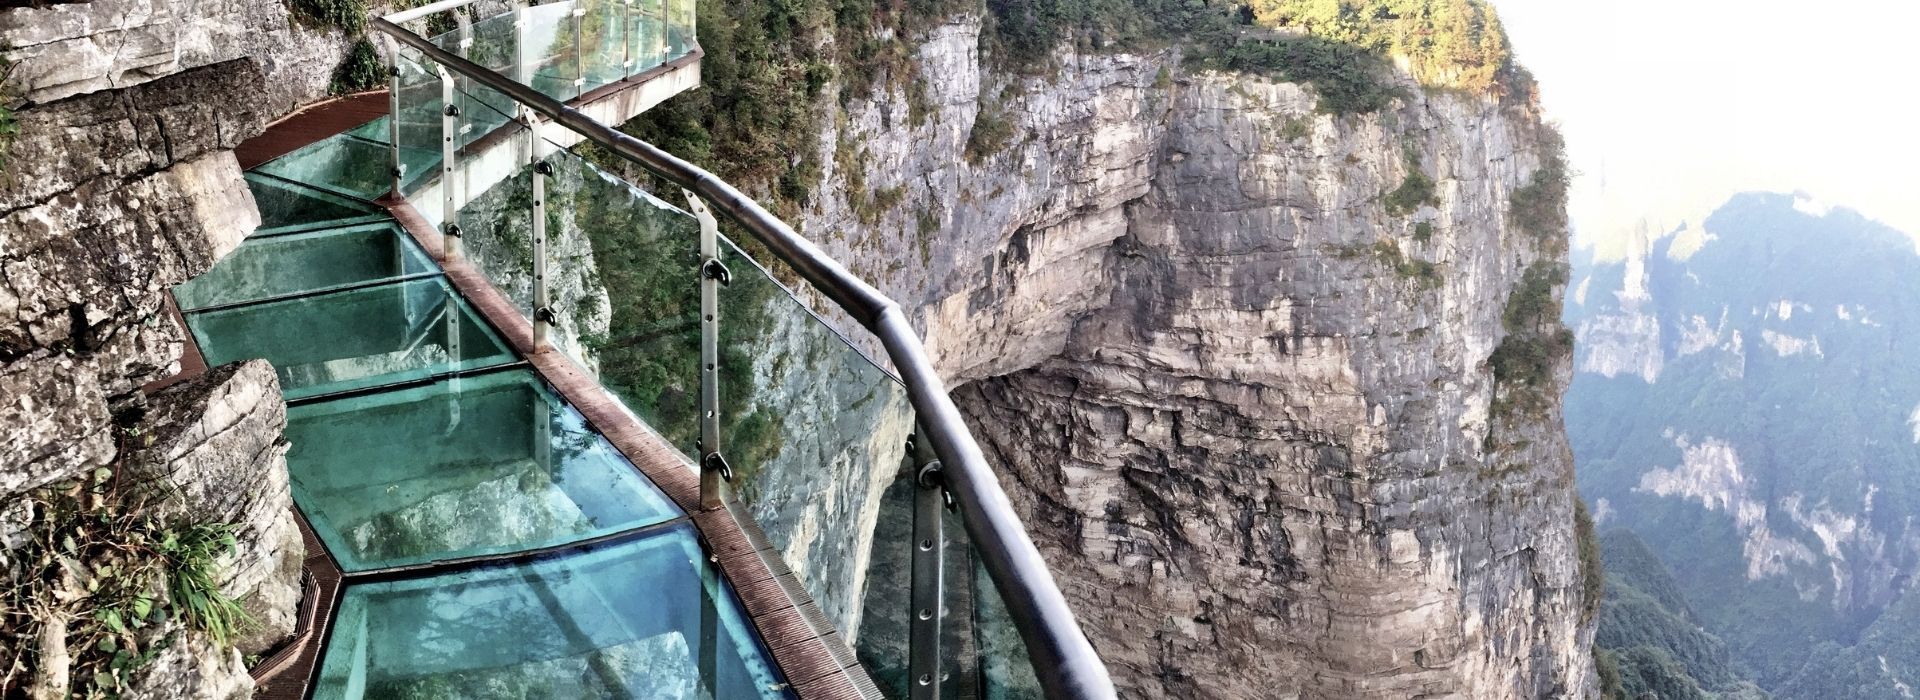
point(1247, 410)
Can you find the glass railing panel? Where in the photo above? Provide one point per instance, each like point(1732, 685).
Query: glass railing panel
point(982, 654)
point(489, 42)
point(680, 28)
point(622, 275)
point(621, 620)
point(604, 30)
point(814, 431)
point(352, 339)
point(1003, 667)
point(296, 263)
point(627, 292)
point(492, 463)
point(420, 111)
point(288, 206)
point(551, 43)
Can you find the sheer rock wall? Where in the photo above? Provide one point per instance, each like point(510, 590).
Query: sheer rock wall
point(1243, 407)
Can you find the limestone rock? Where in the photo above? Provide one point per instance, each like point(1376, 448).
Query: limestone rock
point(217, 443)
point(66, 49)
point(1244, 409)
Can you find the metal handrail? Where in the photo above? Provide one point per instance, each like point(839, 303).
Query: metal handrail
point(1063, 660)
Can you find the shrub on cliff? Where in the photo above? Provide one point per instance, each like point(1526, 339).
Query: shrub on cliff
point(102, 582)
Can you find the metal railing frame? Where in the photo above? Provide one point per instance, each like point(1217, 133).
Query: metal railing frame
point(1063, 661)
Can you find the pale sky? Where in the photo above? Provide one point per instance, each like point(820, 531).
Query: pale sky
point(1671, 106)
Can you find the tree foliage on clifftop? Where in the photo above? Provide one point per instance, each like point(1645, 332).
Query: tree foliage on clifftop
point(771, 64)
point(1447, 43)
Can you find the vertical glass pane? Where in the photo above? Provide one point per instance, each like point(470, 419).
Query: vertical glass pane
point(419, 103)
point(622, 620)
point(814, 431)
point(680, 28)
point(605, 38)
point(551, 41)
point(622, 276)
point(494, 463)
point(982, 653)
point(491, 43)
point(649, 34)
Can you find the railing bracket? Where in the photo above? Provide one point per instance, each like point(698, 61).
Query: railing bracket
point(543, 168)
point(713, 269)
point(545, 314)
point(717, 462)
point(453, 110)
point(453, 231)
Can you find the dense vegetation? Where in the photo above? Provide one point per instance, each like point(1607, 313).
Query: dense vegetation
point(1593, 573)
point(1415, 191)
point(1647, 641)
point(1524, 362)
point(1813, 434)
point(9, 124)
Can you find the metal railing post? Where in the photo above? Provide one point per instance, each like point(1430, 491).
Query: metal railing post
point(449, 151)
point(714, 470)
point(398, 168)
point(543, 315)
point(928, 595)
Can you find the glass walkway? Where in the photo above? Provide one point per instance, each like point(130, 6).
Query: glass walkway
point(493, 543)
point(514, 467)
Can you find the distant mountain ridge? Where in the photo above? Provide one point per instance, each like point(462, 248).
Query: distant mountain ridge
point(1744, 401)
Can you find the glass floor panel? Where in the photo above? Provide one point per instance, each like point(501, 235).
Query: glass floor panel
point(341, 164)
point(263, 268)
point(613, 621)
point(286, 206)
point(492, 464)
point(353, 339)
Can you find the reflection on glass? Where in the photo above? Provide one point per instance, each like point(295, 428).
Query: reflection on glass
point(494, 463)
point(613, 621)
point(265, 267)
point(981, 651)
point(551, 46)
point(604, 36)
point(343, 164)
point(353, 339)
point(286, 206)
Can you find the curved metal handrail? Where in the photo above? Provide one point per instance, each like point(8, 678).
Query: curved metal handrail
point(1063, 660)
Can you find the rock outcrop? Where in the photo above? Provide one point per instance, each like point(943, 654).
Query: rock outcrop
point(120, 185)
